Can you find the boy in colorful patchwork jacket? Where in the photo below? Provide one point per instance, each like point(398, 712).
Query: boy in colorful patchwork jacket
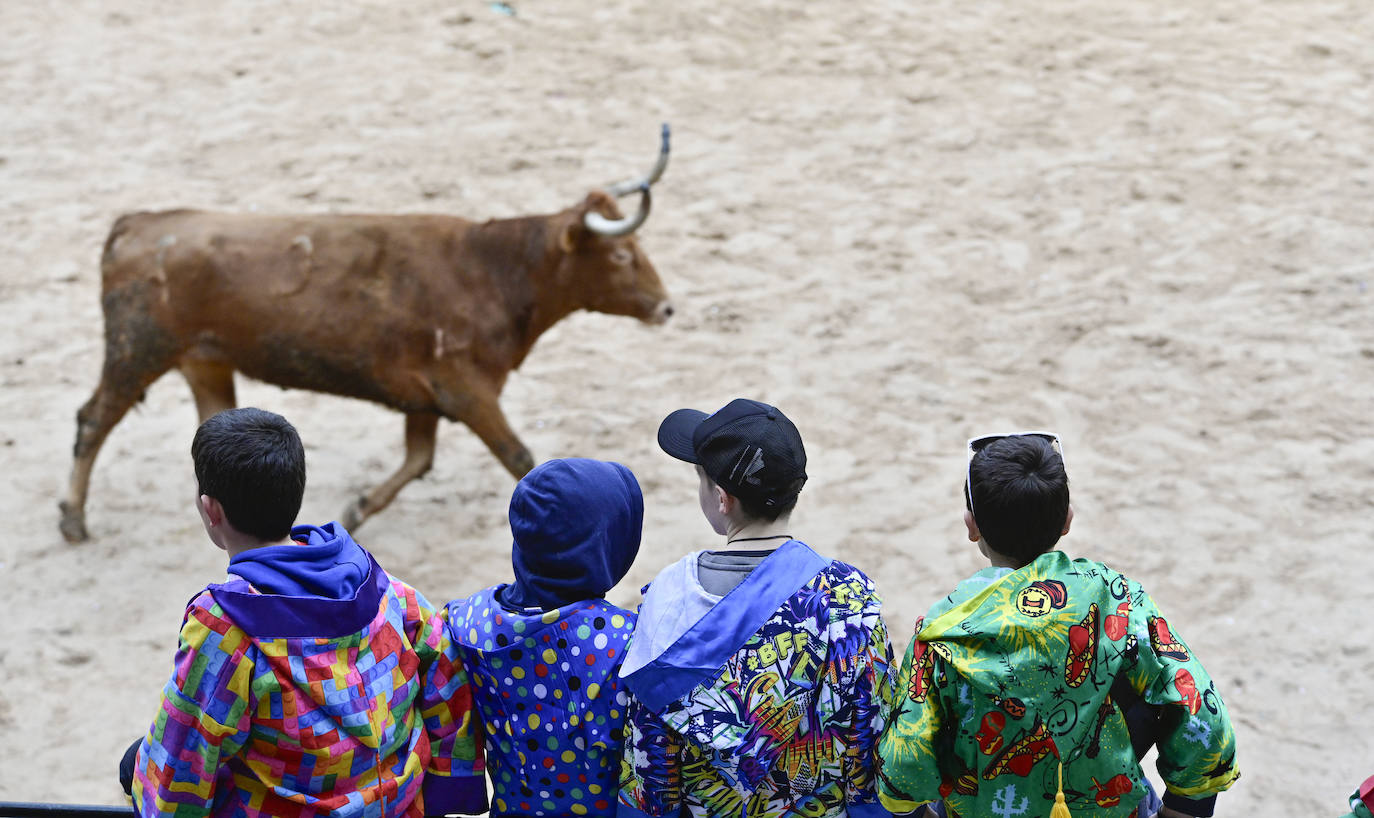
point(310, 682)
point(544, 650)
point(1044, 677)
point(759, 674)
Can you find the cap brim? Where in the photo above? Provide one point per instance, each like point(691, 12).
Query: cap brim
point(675, 433)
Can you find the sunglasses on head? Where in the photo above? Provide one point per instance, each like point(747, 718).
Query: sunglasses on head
point(977, 444)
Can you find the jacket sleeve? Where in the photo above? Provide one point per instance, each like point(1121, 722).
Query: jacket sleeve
point(650, 770)
point(453, 780)
point(869, 689)
point(908, 775)
point(1197, 744)
point(202, 720)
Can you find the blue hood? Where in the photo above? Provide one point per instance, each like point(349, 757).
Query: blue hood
point(324, 562)
point(576, 525)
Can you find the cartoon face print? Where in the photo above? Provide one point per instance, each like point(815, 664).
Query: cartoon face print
point(1041, 597)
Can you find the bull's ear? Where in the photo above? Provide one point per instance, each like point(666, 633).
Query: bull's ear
point(602, 202)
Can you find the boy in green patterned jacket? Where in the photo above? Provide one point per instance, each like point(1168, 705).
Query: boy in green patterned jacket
point(1044, 677)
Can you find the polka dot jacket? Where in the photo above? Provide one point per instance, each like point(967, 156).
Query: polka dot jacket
point(546, 687)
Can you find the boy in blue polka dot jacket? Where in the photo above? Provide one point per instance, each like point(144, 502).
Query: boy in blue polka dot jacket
point(544, 651)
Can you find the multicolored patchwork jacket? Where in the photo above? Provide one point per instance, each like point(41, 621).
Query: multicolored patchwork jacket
point(1011, 678)
point(306, 706)
point(769, 705)
point(548, 690)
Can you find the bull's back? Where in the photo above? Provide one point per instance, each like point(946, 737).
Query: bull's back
point(339, 303)
point(287, 253)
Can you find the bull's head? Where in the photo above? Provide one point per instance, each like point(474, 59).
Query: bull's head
point(602, 258)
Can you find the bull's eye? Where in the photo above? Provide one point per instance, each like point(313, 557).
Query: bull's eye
point(622, 256)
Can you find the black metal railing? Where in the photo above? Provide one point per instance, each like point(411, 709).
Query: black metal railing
point(22, 809)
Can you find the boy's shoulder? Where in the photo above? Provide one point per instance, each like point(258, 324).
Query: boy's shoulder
point(844, 569)
point(203, 603)
point(205, 623)
point(847, 589)
point(840, 574)
point(408, 593)
point(678, 566)
point(481, 622)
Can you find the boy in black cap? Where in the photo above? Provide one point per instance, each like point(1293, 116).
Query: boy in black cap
point(759, 676)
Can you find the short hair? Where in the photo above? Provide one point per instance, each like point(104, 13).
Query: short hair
point(252, 461)
point(1019, 496)
point(760, 510)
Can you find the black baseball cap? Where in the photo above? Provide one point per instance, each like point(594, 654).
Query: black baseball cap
point(748, 448)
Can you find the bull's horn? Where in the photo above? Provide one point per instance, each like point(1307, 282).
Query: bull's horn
point(624, 188)
point(601, 225)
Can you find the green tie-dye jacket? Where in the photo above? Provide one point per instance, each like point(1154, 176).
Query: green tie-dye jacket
point(1014, 675)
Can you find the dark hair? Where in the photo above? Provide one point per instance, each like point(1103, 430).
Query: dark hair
point(1019, 496)
point(760, 510)
point(253, 463)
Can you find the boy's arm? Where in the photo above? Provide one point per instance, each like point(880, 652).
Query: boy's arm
point(870, 691)
point(908, 775)
point(453, 781)
point(650, 769)
point(202, 720)
point(1197, 745)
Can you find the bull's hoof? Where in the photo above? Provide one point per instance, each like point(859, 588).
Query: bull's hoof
point(354, 515)
point(73, 524)
point(520, 463)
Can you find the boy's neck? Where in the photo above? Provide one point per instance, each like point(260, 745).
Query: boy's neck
point(996, 558)
point(999, 560)
point(241, 543)
point(758, 535)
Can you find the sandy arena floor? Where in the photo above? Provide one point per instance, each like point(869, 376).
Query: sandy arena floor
point(1146, 226)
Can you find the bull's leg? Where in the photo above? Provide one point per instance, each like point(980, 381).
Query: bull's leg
point(420, 437)
point(122, 384)
point(212, 386)
point(483, 415)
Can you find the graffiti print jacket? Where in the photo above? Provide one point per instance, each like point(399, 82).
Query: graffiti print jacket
point(342, 701)
point(1016, 674)
point(769, 704)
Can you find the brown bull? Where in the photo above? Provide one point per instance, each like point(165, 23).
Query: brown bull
point(426, 314)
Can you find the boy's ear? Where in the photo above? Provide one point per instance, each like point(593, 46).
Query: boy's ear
point(726, 501)
point(973, 535)
point(1068, 520)
point(212, 510)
